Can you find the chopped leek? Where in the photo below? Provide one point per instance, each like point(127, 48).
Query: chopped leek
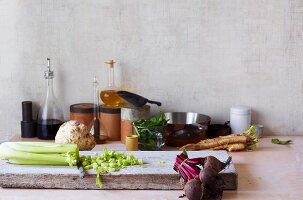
point(39, 153)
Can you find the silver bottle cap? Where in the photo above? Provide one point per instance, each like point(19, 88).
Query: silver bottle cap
point(48, 74)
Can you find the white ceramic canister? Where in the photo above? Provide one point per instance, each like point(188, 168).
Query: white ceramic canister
point(240, 119)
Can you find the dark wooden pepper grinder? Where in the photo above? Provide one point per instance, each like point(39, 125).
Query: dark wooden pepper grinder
point(28, 125)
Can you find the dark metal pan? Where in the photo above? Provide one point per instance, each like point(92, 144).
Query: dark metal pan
point(135, 100)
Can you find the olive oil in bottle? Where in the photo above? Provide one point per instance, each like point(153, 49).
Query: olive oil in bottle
point(109, 94)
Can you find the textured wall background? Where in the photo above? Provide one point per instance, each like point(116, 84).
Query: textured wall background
point(193, 55)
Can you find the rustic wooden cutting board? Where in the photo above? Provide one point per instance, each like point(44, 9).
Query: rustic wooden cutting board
point(156, 174)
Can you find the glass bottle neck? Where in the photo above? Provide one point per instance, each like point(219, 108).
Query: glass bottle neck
point(111, 80)
point(96, 98)
point(49, 87)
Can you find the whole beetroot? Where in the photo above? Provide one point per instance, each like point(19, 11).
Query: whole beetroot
point(215, 164)
point(193, 189)
point(213, 191)
point(217, 186)
point(206, 193)
point(207, 175)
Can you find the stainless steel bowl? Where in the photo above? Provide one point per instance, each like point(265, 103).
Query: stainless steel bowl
point(185, 127)
point(186, 118)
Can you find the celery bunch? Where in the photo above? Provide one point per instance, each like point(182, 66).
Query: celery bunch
point(39, 153)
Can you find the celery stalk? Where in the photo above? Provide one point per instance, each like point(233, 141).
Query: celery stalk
point(50, 154)
point(41, 147)
point(34, 162)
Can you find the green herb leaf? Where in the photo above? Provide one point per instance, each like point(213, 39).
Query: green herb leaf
point(184, 152)
point(277, 141)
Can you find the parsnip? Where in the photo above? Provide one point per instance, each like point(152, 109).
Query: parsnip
point(216, 142)
point(247, 140)
point(231, 147)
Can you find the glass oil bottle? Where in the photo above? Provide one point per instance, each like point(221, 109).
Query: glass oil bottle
point(50, 116)
point(109, 95)
point(96, 124)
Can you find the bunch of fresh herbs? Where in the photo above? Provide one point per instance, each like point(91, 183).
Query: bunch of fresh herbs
point(147, 130)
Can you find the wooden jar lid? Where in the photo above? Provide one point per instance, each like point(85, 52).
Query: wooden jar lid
point(82, 108)
point(105, 109)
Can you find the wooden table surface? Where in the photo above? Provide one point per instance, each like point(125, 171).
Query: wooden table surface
point(270, 172)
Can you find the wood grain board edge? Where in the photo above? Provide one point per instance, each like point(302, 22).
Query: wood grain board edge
point(88, 182)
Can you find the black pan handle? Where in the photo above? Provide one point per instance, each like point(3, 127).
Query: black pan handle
point(226, 123)
point(154, 102)
point(198, 126)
